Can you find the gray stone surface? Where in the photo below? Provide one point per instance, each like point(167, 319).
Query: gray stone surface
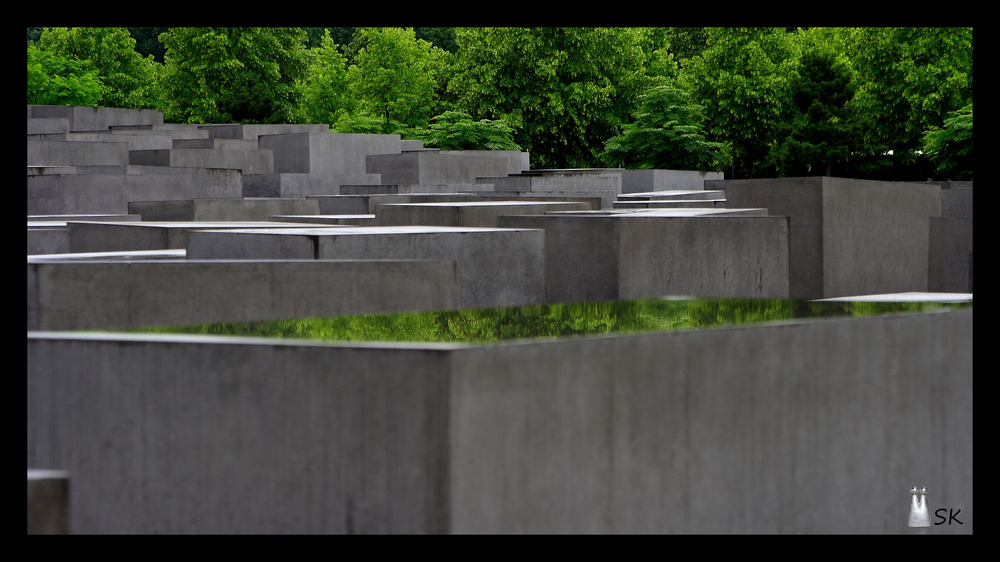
point(253, 132)
point(636, 181)
point(803, 427)
point(443, 167)
point(848, 236)
point(240, 210)
point(300, 185)
point(88, 236)
point(247, 161)
point(112, 193)
point(82, 295)
point(48, 502)
point(95, 118)
point(494, 267)
point(593, 183)
point(63, 153)
point(326, 153)
point(631, 256)
point(483, 214)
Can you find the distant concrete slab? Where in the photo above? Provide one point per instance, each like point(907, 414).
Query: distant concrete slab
point(147, 235)
point(905, 297)
point(481, 214)
point(254, 209)
point(494, 267)
point(81, 295)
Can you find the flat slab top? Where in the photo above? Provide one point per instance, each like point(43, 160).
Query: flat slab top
point(340, 230)
point(508, 203)
point(656, 212)
point(905, 297)
point(42, 474)
point(666, 193)
point(110, 256)
point(201, 225)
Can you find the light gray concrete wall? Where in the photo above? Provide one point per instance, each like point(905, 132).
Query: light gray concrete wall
point(196, 436)
point(816, 427)
point(481, 214)
point(326, 153)
point(848, 236)
point(96, 118)
point(301, 185)
point(594, 257)
point(246, 209)
point(638, 181)
point(950, 245)
point(112, 193)
point(805, 427)
point(875, 236)
point(79, 295)
point(48, 240)
point(443, 167)
point(64, 153)
point(494, 267)
point(253, 132)
point(247, 161)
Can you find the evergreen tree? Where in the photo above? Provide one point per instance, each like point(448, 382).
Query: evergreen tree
point(824, 130)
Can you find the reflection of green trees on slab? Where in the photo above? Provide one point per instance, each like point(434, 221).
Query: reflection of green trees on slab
point(551, 321)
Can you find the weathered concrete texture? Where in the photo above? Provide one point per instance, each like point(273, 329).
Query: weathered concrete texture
point(112, 193)
point(95, 118)
point(393, 189)
point(135, 141)
point(51, 240)
point(48, 502)
point(337, 154)
point(948, 262)
point(81, 295)
point(247, 161)
point(301, 185)
point(444, 167)
point(848, 236)
point(494, 267)
point(578, 183)
point(481, 214)
point(63, 153)
point(254, 132)
point(657, 433)
point(146, 235)
point(245, 209)
point(368, 204)
point(327, 220)
point(595, 258)
point(637, 181)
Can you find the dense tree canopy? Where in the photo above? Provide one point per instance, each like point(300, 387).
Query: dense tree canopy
point(667, 134)
point(234, 74)
point(128, 79)
point(562, 93)
point(566, 91)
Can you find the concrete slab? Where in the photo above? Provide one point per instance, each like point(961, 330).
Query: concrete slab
point(82, 295)
point(329, 220)
point(297, 186)
point(443, 167)
point(848, 236)
point(632, 256)
point(48, 502)
point(483, 214)
point(247, 161)
point(494, 267)
point(256, 209)
point(147, 235)
point(326, 153)
point(651, 433)
point(905, 297)
point(82, 118)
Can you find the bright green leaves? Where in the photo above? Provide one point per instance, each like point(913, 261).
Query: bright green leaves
point(225, 75)
point(127, 79)
point(57, 80)
point(454, 130)
point(666, 134)
point(951, 147)
point(566, 90)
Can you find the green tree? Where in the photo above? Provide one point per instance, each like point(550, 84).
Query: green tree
point(741, 79)
point(564, 90)
point(454, 130)
point(394, 77)
point(667, 134)
point(951, 147)
point(326, 98)
point(129, 80)
point(909, 80)
point(824, 131)
point(57, 80)
point(234, 74)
